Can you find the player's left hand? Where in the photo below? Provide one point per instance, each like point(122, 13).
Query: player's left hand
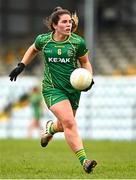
point(92, 83)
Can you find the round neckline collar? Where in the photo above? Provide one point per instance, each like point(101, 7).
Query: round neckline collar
point(59, 41)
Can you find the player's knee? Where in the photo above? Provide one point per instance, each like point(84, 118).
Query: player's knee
point(69, 123)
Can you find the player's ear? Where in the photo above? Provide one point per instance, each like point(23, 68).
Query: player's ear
point(54, 26)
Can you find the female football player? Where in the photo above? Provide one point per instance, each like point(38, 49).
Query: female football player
point(62, 50)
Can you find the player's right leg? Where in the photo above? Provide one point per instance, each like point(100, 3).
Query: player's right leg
point(47, 135)
point(50, 129)
point(52, 96)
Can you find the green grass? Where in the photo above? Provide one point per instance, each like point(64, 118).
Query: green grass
point(25, 159)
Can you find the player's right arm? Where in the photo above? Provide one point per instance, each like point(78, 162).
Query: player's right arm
point(27, 58)
point(30, 54)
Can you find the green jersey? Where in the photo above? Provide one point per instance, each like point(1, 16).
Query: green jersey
point(61, 58)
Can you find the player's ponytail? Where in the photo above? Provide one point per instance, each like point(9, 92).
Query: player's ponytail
point(74, 22)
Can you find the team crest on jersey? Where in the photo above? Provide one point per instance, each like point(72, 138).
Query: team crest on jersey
point(70, 52)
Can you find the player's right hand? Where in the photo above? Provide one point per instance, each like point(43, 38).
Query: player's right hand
point(15, 72)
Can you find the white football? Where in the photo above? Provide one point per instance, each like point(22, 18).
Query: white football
point(81, 78)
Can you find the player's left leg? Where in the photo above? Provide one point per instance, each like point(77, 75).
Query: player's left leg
point(63, 112)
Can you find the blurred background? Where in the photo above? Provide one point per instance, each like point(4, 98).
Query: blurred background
point(108, 111)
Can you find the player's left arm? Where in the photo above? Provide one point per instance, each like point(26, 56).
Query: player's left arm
point(85, 63)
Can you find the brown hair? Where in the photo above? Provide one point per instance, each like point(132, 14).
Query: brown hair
point(55, 16)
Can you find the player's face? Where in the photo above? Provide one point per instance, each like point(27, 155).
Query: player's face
point(64, 25)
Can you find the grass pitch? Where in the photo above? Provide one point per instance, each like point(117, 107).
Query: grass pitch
point(25, 159)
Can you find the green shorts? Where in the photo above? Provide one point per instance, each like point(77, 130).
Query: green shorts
point(55, 95)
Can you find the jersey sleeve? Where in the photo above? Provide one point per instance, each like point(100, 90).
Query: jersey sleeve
point(38, 42)
point(82, 50)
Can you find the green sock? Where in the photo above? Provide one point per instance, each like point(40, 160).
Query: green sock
point(81, 155)
point(53, 129)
